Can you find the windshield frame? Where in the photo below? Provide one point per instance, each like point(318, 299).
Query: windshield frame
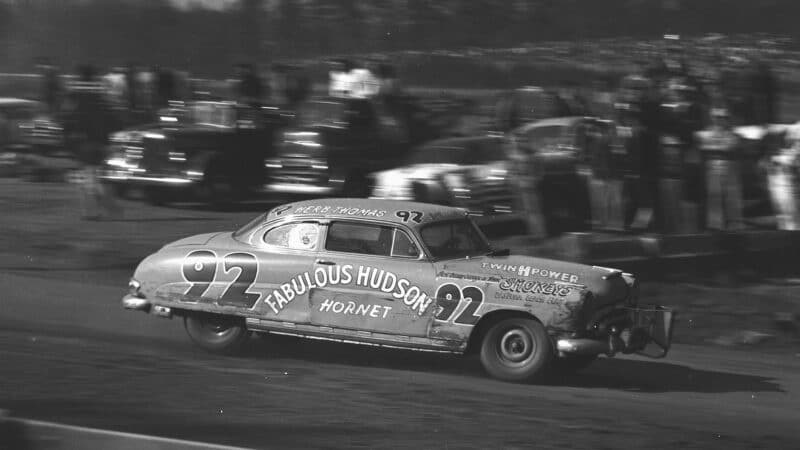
point(434, 257)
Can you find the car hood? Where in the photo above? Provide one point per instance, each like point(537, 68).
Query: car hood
point(606, 285)
point(198, 239)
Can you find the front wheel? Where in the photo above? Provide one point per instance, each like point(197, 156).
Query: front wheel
point(216, 333)
point(517, 349)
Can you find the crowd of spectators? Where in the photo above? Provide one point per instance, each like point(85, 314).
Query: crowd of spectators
point(688, 148)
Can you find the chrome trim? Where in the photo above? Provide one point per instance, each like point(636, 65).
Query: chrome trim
point(135, 303)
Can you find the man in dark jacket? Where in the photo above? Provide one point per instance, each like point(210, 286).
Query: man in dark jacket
point(91, 120)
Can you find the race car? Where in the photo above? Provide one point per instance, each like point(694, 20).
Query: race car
point(396, 274)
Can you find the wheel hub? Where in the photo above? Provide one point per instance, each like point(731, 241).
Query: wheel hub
point(516, 346)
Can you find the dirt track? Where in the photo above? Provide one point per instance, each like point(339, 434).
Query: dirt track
point(69, 353)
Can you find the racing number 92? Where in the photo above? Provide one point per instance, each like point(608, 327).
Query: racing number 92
point(449, 296)
point(200, 269)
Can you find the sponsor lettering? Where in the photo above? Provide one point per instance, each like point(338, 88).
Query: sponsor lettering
point(364, 276)
point(524, 286)
point(527, 271)
point(356, 309)
point(340, 210)
point(468, 276)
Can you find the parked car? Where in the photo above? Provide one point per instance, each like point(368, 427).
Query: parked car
point(335, 143)
point(472, 173)
point(31, 140)
point(211, 151)
point(396, 274)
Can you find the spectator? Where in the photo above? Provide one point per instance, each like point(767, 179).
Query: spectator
point(528, 183)
point(783, 169)
point(51, 86)
point(248, 88)
point(339, 80)
point(670, 184)
point(651, 121)
point(720, 146)
point(92, 124)
point(132, 88)
point(165, 87)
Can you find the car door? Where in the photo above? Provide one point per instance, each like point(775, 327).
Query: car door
point(286, 254)
point(372, 277)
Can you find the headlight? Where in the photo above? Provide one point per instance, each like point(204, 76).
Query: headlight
point(133, 288)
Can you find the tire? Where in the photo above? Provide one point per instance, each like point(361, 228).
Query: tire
point(216, 333)
point(517, 349)
point(571, 364)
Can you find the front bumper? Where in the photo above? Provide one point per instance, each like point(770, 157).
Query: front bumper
point(649, 333)
point(135, 303)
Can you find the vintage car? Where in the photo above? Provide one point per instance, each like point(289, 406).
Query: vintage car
point(396, 274)
point(335, 143)
point(31, 140)
point(472, 173)
point(208, 150)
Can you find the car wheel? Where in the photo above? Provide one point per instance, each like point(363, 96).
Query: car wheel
point(516, 349)
point(216, 333)
point(571, 364)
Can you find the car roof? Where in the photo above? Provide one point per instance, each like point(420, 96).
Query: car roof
point(361, 208)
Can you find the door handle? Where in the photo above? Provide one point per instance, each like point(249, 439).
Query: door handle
point(326, 262)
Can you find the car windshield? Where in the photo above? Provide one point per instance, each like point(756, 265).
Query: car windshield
point(454, 239)
point(472, 151)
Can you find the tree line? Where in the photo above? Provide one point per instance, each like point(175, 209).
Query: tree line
point(155, 32)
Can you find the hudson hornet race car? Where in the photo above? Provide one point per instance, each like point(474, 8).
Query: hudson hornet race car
point(396, 274)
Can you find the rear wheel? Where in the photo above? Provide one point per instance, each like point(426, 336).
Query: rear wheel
point(216, 333)
point(517, 349)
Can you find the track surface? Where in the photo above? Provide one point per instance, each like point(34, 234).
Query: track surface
point(70, 354)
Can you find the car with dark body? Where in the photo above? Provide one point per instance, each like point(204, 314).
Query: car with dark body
point(209, 150)
point(396, 274)
point(335, 143)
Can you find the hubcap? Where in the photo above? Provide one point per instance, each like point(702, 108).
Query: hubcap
point(218, 329)
point(516, 346)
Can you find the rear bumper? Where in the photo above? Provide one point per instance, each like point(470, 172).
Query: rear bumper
point(649, 334)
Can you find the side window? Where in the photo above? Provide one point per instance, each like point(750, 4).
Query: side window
point(361, 238)
point(403, 246)
point(296, 236)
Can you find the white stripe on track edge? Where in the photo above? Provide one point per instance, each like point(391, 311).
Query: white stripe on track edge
point(121, 434)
